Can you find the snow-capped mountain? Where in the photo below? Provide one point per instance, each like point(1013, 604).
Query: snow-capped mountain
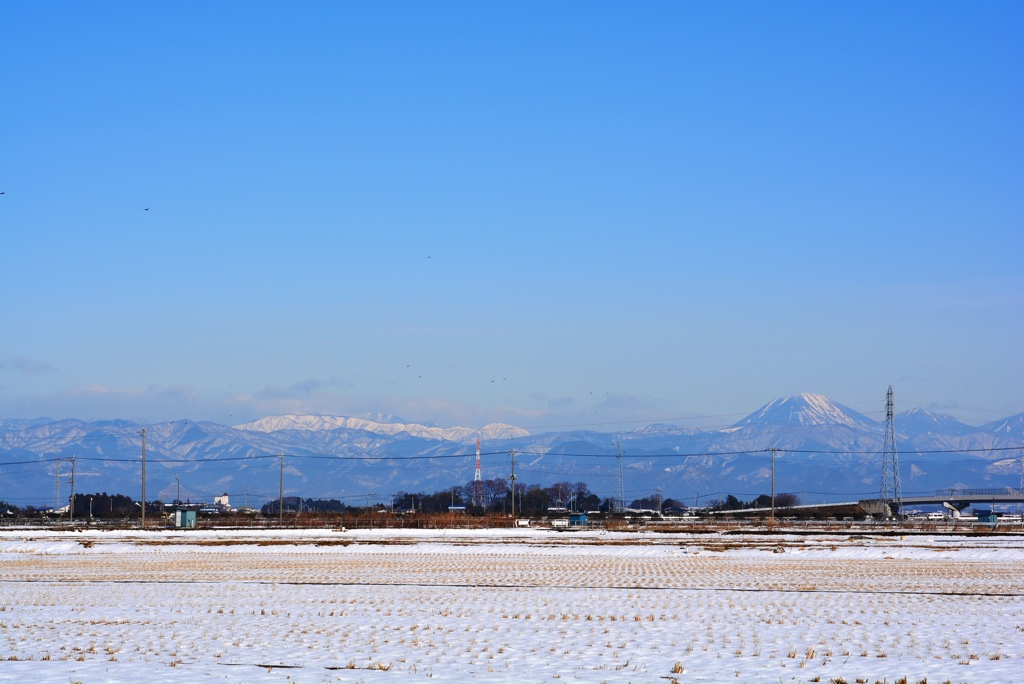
point(315, 423)
point(826, 448)
point(1007, 427)
point(921, 421)
point(806, 409)
point(660, 429)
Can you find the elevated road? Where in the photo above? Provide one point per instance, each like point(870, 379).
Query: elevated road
point(953, 499)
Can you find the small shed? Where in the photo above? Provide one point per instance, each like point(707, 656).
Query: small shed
point(184, 518)
point(578, 520)
point(987, 516)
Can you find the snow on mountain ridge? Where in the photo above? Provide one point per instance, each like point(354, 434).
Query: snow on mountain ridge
point(806, 409)
point(982, 457)
point(665, 429)
point(919, 420)
point(1012, 426)
point(317, 423)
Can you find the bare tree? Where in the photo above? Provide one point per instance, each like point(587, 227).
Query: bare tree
point(786, 500)
point(494, 490)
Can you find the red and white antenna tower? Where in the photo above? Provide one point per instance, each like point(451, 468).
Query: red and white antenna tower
point(478, 484)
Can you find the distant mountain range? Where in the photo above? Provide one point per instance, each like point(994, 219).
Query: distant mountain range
point(493, 431)
point(827, 452)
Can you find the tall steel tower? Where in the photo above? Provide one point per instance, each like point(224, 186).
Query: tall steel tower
point(620, 495)
point(56, 485)
point(478, 485)
point(890, 493)
point(1020, 487)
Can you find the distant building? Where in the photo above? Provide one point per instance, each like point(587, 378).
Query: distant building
point(222, 501)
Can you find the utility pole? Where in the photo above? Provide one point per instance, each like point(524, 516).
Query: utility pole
point(512, 477)
point(659, 500)
point(143, 478)
point(71, 506)
point(280, 496)
point(773, 450)
point(177, 501)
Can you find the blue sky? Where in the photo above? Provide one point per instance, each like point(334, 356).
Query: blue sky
point(538, 213)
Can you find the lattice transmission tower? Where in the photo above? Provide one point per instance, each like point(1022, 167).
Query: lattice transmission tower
point(478, 484)
point(57, 485)
point(1020, 487)
point(891, 494)
point(620, 494)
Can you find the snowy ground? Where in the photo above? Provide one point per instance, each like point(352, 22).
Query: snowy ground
point(507, 605)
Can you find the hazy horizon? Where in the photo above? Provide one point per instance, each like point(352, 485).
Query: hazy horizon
point(704, 422)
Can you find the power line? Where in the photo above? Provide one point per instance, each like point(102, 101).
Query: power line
point(637, 456)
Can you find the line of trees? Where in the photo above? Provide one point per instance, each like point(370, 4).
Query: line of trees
point(296, 504)
point(103, 505)
point(495, 496)
point(477, 498)
point(98, 505)
point(731, 503)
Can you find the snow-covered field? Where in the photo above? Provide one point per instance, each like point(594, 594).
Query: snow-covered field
point(507, 605)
